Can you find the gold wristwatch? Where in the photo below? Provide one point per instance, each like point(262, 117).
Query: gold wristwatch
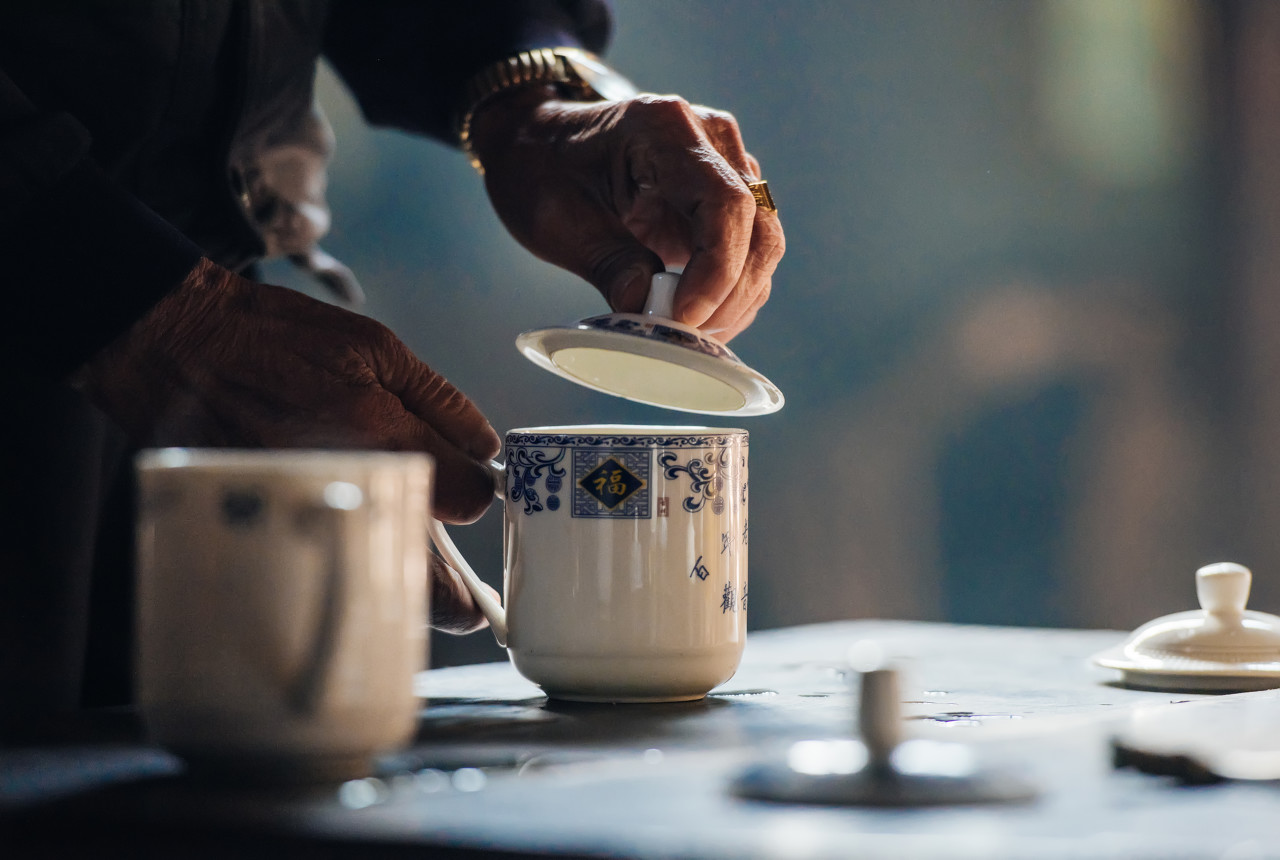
point(578, 75)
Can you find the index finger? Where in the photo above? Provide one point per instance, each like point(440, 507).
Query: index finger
point(734, 245)
point(737, 308)
point(671, 155)
point(722, 224)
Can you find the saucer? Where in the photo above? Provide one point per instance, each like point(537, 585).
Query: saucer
point(1221, 647)
point(653, 359)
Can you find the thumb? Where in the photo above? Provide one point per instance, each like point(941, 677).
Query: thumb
point(624, 272)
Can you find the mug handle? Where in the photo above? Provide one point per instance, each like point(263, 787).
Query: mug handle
point(489, 606)
point(337, 499)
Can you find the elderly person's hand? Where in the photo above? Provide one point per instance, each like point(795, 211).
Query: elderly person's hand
point(223, 361)
point(616, 191)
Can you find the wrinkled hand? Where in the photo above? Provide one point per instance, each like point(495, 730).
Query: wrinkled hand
point(616, 191)
point(223, 361)
point(453, 609)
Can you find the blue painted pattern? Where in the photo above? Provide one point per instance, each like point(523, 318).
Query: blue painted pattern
point(525, 468)
point(611, 472)
point(624, 440)
point(660, 332)
point(707, 477)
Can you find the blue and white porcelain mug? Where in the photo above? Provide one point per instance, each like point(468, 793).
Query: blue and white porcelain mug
point(625, 554)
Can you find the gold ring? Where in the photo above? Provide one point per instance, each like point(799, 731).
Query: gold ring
point(760, 191)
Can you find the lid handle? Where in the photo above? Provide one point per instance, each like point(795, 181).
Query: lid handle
point(1223, 588)
point(662, 295)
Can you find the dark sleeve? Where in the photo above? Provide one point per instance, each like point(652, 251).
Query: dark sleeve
point(406, 62)
point(80, 258)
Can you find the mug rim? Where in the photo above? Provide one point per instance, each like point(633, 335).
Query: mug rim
point(632, 430)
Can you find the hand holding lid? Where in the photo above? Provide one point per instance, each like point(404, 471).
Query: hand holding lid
point(651, 358)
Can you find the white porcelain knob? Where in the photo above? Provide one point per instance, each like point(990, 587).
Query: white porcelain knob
point(662, 295)
point(1223, 588)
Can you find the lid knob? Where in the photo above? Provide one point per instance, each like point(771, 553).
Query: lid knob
point(662, 295)
point(1223, 588)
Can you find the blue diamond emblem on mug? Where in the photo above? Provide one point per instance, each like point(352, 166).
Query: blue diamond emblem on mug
point(611, 483)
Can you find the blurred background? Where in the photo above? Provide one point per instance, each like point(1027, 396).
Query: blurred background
point(1025, 324)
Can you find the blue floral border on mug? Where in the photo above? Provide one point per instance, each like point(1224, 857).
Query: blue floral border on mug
point(564, 440)
point(607, 481)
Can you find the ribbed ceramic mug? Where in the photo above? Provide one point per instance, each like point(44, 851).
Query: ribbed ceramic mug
point(625, 560)
point(282, 606)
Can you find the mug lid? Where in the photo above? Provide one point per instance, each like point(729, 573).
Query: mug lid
point(653, 359)
point(1221, 647)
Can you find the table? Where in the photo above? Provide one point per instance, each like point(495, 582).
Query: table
point(499, 770)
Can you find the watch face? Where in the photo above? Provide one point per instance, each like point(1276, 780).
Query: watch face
point(607, 83)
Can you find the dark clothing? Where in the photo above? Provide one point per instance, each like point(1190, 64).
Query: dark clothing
point(167, 99)
point(128, 135)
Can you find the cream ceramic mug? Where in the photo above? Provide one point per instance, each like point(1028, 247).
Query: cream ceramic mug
point(625, 560)
point(281, 606)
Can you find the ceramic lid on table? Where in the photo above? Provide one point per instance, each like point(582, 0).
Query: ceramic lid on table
point(1221, 647)
point(650, 358)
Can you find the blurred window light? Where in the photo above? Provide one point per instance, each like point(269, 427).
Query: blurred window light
point(1120, 90)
